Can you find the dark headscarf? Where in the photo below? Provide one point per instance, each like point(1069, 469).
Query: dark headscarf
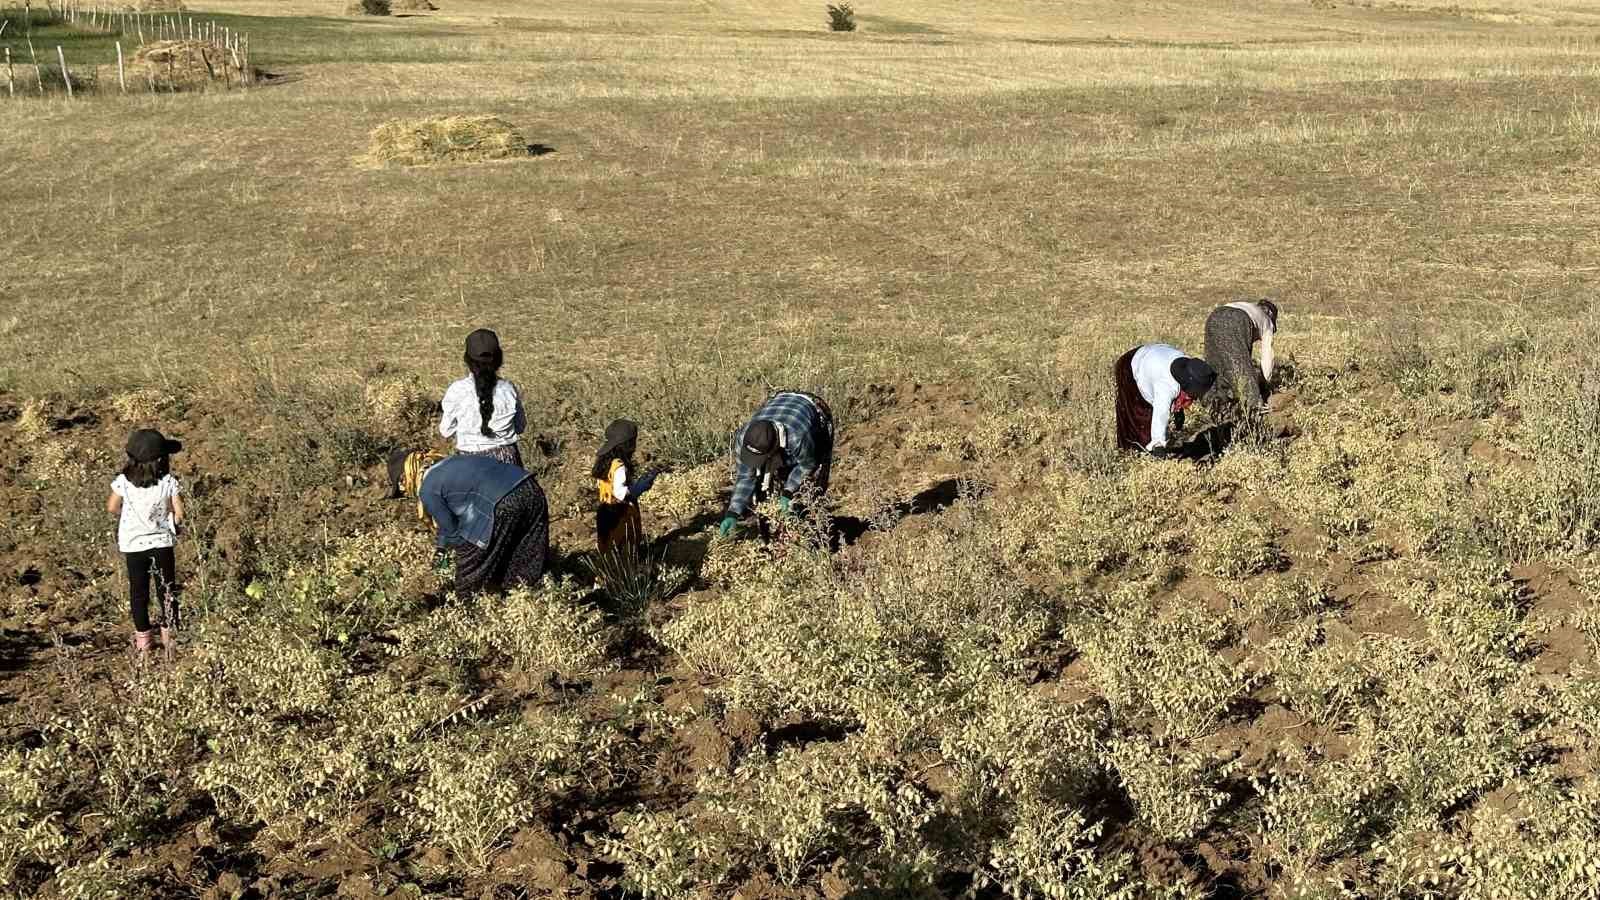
point(1271, 309)
point(1194, 377)
point(619, 434)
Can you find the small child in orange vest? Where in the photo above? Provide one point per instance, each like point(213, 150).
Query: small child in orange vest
point(617, 518)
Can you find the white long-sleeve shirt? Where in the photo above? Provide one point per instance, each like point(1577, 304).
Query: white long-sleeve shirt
point(1264, 327)
point(619, 484)
point(1152, 372)
point(462, 420)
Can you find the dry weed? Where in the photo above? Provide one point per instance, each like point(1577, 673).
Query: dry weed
point(141, 406)
point(444, 139)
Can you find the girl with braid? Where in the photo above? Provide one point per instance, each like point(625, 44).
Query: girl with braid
point(483, 411)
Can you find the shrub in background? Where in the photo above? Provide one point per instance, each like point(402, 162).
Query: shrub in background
point(841, 17)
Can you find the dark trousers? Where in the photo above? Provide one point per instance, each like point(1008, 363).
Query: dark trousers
point(142, 565)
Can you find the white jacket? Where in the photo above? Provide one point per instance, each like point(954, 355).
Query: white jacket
point(462, 420)
point(1152, 372)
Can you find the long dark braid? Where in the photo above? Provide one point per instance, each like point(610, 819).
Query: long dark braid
point(485, 375)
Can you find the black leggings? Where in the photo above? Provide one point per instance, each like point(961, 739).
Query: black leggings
point(166, 578)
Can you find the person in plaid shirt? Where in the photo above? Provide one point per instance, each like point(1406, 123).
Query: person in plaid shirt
point(788, 442)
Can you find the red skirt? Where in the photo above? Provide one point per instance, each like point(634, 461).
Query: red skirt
point(1133, 411)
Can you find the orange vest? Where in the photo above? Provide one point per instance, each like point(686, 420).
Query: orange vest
point(604, 484)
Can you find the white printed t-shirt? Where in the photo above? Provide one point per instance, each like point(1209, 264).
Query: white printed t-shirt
point(146, 522)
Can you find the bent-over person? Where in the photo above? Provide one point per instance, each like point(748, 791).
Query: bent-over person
point(1155, 384)
point(787, 446)
point(491, 514)
point(1231, 331)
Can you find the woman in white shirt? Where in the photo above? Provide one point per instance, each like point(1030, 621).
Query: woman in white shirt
point(483, 411)
point(1230, 333)
point(1155, 384)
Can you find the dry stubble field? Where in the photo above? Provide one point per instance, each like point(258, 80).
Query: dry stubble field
point(1356, 655)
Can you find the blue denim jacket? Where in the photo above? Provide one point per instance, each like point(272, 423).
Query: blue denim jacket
point(460, 493)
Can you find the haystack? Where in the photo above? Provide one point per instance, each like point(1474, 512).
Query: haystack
point(179, 64)
point(420, 142)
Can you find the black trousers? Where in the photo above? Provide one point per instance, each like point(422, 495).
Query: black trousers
point(142, 565)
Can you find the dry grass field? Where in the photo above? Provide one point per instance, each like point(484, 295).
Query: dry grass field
point(1356, 654)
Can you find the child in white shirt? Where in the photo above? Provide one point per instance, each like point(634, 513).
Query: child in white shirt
point(149, 506)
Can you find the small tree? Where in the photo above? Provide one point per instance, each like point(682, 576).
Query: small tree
point(841, 17)
point(372, 7)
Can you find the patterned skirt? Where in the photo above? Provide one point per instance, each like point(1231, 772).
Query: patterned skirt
point(1229, 337)
point(518, 545)
point(1133, 411)
point(506, 453)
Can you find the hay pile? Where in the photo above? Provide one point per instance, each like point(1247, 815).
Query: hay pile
point(411, 5)
point(420, 142)
point(178, 64)
point(156, 6)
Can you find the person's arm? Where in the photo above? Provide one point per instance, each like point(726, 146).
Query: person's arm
point(443, 518)
point(519, 420)
point(802, 463)
point(448, 421)
point(177, 510)
point(619, 484)
point(1160, 414)
point(744, 490)
point(114, 503)
point(1266, 354)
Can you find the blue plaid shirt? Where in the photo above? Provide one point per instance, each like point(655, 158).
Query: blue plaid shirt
point(807, 433)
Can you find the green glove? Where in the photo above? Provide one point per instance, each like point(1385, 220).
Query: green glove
point(783, 504)
point(726, 528)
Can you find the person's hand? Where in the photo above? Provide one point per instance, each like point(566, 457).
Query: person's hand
point(726, 528)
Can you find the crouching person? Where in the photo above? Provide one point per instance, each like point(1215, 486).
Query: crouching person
point(1155, 384)
point(787, 446)
point(492, 514)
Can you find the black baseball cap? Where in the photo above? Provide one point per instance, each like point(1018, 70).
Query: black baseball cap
point(148, 445)
point(760, 444)
point(483, 345)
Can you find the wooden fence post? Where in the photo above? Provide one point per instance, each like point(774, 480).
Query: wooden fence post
point(62, 57)
point(38, 70)
point(122, 80)
point(11, 81)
